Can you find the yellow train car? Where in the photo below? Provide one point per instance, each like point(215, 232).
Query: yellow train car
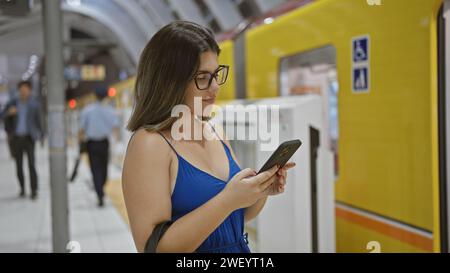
point(124, 92)
point(228, 90)
point(389, 181)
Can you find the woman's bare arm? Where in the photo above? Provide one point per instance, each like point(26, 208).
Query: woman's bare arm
point(147, 192)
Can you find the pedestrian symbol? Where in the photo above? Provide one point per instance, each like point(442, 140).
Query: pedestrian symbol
point(361, 50)
point(360, 79)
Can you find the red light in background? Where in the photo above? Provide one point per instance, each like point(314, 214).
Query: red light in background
point(112, 92)
point(72, 104)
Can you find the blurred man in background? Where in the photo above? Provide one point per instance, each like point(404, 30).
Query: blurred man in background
point(98, 122)
point(23, 116)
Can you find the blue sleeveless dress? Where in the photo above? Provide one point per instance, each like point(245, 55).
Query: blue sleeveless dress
point(193, 188)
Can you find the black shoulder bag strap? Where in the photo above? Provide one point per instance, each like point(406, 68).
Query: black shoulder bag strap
point(158, 232)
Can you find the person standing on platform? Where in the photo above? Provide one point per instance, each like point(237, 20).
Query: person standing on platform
point(98, 122)
point(25, 129)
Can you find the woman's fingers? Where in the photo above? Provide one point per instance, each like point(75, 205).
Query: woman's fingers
point(270, 190)
point(282, 177)
point(244, 174)
point(273, 181)
point(286, 167)
point(281, 187)
point(283, 181)
point(289, 165)
point(283, 172)
point(269, 182)
point(274, 189)
point(264, 176)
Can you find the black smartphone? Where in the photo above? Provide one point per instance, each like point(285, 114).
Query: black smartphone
point(282, 154)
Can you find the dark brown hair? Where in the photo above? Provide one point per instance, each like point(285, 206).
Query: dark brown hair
point(167, 64)
point(24, 83)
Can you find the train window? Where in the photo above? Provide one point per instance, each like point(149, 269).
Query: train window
point(315, 72)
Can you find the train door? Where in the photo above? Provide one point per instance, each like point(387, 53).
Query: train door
point(315, 72)
point(444, 123)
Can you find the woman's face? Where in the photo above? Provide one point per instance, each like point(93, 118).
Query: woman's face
point(209, 64)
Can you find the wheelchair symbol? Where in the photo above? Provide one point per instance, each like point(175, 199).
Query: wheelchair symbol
point(361, 49)
point(359, 52)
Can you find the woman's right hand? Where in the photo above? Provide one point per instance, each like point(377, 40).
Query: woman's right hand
point(246, 187)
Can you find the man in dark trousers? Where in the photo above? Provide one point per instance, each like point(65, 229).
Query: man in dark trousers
point(25, 130)
point(97, 121)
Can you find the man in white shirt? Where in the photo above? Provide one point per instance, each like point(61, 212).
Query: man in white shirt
point(98, 121)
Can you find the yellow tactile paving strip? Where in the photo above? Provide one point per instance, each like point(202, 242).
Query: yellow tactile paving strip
point(113, 190)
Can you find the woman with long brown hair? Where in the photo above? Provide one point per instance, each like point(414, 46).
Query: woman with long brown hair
point(195, 183)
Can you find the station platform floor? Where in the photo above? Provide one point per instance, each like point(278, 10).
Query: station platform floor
point(25, 225)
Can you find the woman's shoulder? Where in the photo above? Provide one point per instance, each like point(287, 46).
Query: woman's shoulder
point(143, 172)
point(144, 143)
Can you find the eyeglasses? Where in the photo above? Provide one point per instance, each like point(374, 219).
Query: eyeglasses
point(203, 80)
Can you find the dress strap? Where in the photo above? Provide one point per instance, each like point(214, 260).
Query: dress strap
point(227, 149)
point(214, 130)
point(168, 142)
point(129, 140)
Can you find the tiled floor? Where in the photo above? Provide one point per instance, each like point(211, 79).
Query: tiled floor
point(25, 225)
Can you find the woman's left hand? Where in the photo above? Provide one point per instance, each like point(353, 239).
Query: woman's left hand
point(280, 181)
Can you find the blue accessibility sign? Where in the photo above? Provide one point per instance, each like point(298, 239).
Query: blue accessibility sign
point(360, 79)
point(360, 49)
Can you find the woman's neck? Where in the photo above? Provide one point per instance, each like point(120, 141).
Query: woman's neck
point(194, 129)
